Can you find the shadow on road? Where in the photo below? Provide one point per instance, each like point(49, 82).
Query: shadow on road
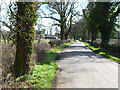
point(74, 51)
point(80, 47)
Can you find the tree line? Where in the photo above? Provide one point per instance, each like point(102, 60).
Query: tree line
point(98, 17)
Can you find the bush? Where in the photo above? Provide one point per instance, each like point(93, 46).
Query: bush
point(107, 51)
point(43, 73)
point(8, 57)
point(111, 48)
point(64, 41)
point(56, 42)
point(95, 44)
point(39, 52)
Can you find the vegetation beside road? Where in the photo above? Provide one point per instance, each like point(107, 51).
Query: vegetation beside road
point(43, 73)
point(22, 47)
point(103, 53)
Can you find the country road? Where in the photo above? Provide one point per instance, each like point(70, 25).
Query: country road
point(80, 67)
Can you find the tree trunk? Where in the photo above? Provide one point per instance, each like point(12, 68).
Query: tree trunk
point(105, 38)
point(25, 37)
point(74, 38)
point(3, 36)
point(105, 33)
point(70, 28)
point(20, 60)
point(66, 37)
point(88, 36)
point(62, 32)
point(94, 35)
point(118, 38)
point(40, 37)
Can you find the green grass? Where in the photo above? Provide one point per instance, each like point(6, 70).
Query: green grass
point(91, 47)
point(44, 72)
point(66, 44)
point(100, 52)
point(35, 41)
point(42, 76)
point(2, 41)
point(98, 39)
point(47, 40)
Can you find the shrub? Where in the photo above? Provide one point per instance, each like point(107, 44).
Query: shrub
point(109, 48)
point(64, 41)
point(113, 48)
point(54, 43)
point(39, 52)
point(8, 57)
point(95, 44)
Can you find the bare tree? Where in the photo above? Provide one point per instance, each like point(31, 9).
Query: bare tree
point(79, 30)
point(65, 11)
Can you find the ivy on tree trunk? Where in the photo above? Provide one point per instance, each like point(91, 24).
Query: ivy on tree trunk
point(25, 20)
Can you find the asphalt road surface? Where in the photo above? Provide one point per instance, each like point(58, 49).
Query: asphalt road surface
point(80, 67)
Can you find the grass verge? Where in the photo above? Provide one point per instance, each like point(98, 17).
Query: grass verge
point(43, 74)
point(100, 52)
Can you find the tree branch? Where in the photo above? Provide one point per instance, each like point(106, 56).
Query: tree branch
point(52, 18)
point(11, 9)
point(114, 15)
point(10, 27)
